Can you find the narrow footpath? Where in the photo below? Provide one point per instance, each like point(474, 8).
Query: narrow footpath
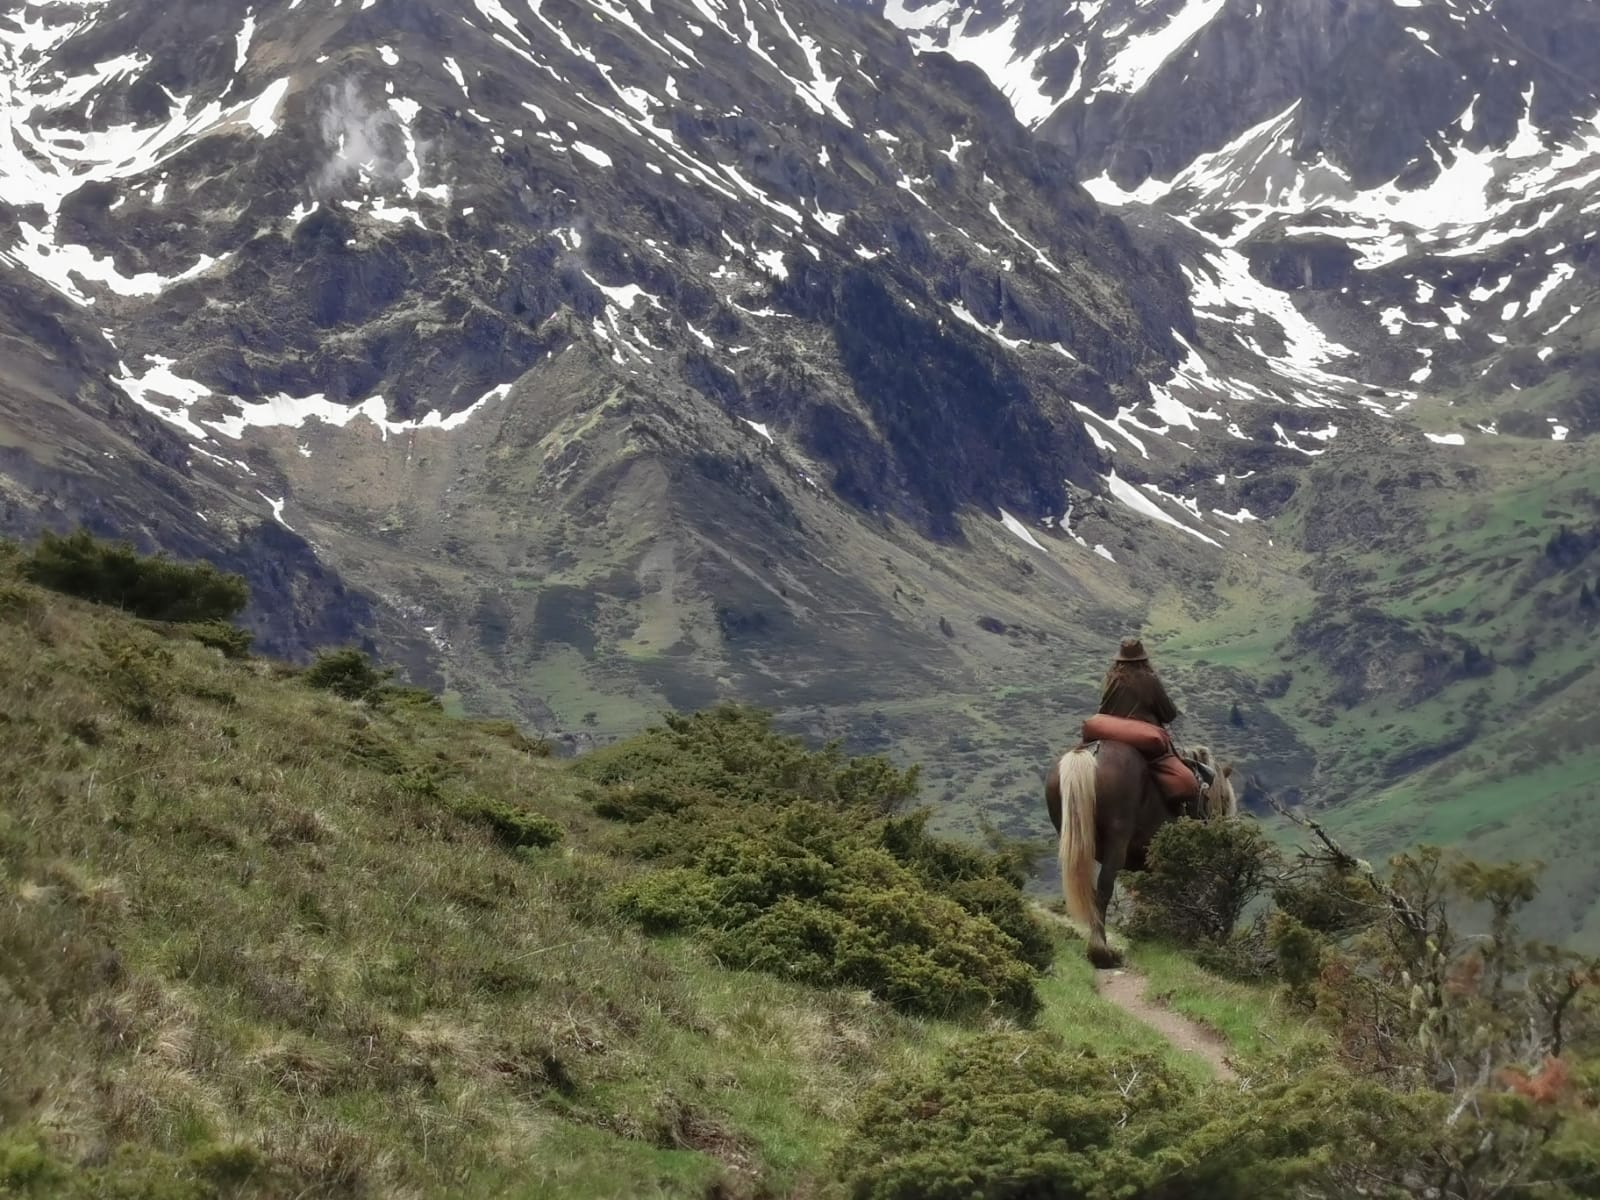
point(1126, 989)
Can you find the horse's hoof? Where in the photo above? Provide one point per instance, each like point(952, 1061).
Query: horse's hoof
point(1104, 957)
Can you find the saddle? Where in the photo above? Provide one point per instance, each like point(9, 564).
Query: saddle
point(1180, 778)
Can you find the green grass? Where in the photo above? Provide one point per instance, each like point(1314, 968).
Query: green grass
point(578, 702)
point(590, 1163)
point(1252, 619)
point(1071, 1006)
point(1510, 795)
point(242, 917)
point(1250, 1018)
point(306, 938)
point(1461, 560)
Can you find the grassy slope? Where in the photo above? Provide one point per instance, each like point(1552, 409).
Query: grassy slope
point(1524, 785)
point(240, 938)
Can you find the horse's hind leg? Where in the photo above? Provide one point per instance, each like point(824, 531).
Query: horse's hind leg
point(1100, 952)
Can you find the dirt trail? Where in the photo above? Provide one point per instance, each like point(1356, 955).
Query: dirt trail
point(1126, 989)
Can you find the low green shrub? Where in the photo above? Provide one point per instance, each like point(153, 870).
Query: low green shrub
point(397, 695)
point(219, 635)
point(1015, 1116)
point(348, 673)
point(367, 747)
point(137, 674)
point(229, 1164)
point(17, 602)
point(1299, 956)
point(670, 900)
point(794, 862)
point(1200, 878)
point(25, 1168)
point(1020, 1116)
point(924, 953)
point(984, 882)
point(150, 586)
point(1247, 954)
point(513, 827)
point(508, 732)
point(732, 752)
point(1330, 900)
point(632, 804)
point(351, 674)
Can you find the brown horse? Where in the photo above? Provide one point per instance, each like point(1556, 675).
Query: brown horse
point(1112, 811)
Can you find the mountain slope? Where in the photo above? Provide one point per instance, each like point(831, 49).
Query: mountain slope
point(1417, 177)
point(260, 940)
point(784, 369)
point(1447, 663)
point(367, 252)
point(879, 365)
point(1395, 200)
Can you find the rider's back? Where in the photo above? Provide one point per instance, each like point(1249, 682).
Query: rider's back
point(1135, 691)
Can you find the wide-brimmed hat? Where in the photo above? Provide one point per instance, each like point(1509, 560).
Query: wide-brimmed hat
point(1132, 651)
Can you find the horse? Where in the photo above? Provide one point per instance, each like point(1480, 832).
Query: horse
point(1112, 812)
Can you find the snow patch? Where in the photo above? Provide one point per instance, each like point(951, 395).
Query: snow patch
point(959, 311)
point(1019, 530)
point(1145, 507)
point(277, 509)
point(1142, 56)
point(1559, 274)
point(772, 263)
point(246, 34)
point(159, 382)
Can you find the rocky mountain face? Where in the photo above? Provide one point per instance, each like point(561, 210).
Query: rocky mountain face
point(1393, 200)
point(878, 363)
point(696, 336)
point(1417, 177)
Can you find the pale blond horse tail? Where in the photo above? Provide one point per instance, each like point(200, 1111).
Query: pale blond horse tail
point(1076, 771)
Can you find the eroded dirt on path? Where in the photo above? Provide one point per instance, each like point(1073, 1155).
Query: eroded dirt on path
point(1126, 989)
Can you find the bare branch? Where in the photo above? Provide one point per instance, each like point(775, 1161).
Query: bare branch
point(1415, 922)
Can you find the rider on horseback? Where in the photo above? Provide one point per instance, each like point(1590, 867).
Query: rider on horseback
point(1133, 692)
point(1100, 798)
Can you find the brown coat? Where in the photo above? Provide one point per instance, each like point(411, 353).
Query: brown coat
point(1137, 693)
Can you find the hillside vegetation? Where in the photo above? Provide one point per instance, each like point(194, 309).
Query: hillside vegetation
point(1438, 656)
point(271, 932)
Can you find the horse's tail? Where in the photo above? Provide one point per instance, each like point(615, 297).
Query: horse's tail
point(1076, 771)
